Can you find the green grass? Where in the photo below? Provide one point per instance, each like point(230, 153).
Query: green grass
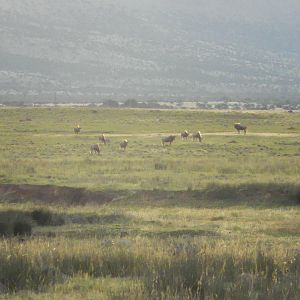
point(216, 220)
point(45, 150)
point(92, 120)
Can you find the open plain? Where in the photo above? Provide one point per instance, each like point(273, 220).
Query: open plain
point(218, 219)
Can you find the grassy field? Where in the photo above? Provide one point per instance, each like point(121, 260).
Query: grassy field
point(213, 220)
point(38, 146)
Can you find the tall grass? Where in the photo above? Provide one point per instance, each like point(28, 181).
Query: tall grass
point(211, 271)
point(136, 173)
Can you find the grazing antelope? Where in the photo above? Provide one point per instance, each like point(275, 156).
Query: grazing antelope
point(197, 136)
point(168, 139)
point(95, 148)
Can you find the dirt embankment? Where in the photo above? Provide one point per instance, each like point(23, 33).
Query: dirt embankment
point(212, 196)
point(52, 194)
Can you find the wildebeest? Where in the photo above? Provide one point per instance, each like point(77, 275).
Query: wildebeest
point(76, 130)
point(197, 136)
point(240, 127)
point(95, 148)
point(168, 139)
point(124, 144)
point(184, 135)
point(104, 139)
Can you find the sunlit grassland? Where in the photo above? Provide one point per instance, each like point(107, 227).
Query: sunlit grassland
point(45, 149)
point(213, 220)
point(94, 120)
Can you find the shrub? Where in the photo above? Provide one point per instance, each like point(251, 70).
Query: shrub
point(22, 228)
point(58, 220)
point(160, 166)
point(4, 229)
point(296, 194)
point(42, 217)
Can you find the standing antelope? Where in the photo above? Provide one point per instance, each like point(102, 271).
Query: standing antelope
point(240, 127)
point(184, 135)
point(104, 139)
point(124, 144)
point(77, 129)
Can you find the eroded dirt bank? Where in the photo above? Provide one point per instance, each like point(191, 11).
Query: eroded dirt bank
point(214, 195)
point(52, 194)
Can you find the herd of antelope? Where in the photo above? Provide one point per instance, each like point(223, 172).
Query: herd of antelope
point(95, 148)
point(197, 136)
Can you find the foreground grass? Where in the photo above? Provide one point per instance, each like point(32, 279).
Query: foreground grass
point(129, 250)
point(184, 268)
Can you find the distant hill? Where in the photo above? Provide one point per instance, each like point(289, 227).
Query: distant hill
point(81, 50)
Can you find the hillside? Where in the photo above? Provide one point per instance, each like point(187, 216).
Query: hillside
point(79, 50)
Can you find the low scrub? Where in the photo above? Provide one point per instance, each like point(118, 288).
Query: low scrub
point(21, 228)
point(160, 166)
point(14, 222)
point(42, 217)
point(4, 229)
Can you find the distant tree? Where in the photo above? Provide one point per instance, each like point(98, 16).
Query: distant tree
point(131, 103)
point(221, 106)
point(111, 103)
point(201, 105)
point(225, 99)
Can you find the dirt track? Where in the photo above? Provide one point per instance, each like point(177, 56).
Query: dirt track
point(157, 134)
